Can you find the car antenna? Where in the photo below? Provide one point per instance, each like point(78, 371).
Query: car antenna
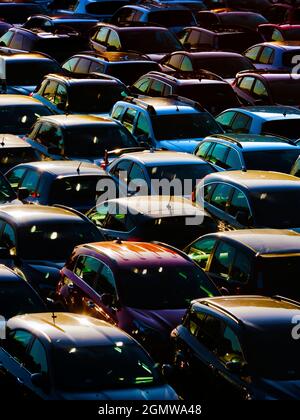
point(3, 142)
point(54, 317)
point(78, 168)
point(284, 113)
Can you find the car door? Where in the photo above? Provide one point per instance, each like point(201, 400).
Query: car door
point(117, 225)
point(243, 88)
point(98, 42)
point(266, 59)
point(30, 181)
point(217, 156)
point(46, 94)
point(217, 203)
point(120, 172)
point(172, 63)
point(241, 124)
point(225, 119)
point(201, 251)
point(143, 130)
point(49, 140)
point(15, 176)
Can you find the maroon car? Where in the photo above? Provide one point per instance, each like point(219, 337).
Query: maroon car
point(144, 288)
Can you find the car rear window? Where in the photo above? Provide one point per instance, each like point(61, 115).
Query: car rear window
point(286, 128)
point(10, 157)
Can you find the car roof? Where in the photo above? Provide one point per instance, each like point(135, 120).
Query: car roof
point(68, 329)
point(130, 254)
point(163, 157)
point(10, 140)
point(283, 45)
point(7, 274)
point(253, 311)
point(27, 213)
point(64, 16)
point(255, 180)
point(187, 81)
point(66, 168)
point(268, 112)
point(133, 28)
point(15, 100)
point(115, 57)
point(210, 54)
point(271, 77)
point(100, 79)
point(162, 105)
point(8, 56)
point(266, 242)
point(254, 142)
point(71, 120)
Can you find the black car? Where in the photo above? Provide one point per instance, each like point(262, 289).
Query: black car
point(80, 95)
point(39, 239)
point(58, 45)
point(211, 91)
point(14, 150)
point(69, 183)
point(151, 218)
point(251, 261)
point(21, 72)
point(124, 66)
point(230, 347)
point(16, 12)
point(154, 41)
point(16, 295)
point(223, 17)
point(80, 137)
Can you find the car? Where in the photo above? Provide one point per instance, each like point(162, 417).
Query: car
point(16, 295)
point(61, 22)
point(274, 55)
point(223, 38)
point(251, 261)
point(21, 72)
point(80, 137)
point(124, 66)
point(221, 17)
point(258, 6)
point(153, 41)
point(65, 356)
point(68, 183)
point(231, 346)
point(279, 32)
point(252, 199)
point(80, 95)
point(154, 168)
point(224, 64)
point(143, 288)
point(58, 45)
point(194, 5)
point(15, 12)
point(4, 27)
point(99, 9)
point(266, 119)
point(19, 112)
point(13, 150)
point(267, 88)
point(173, 16)
point(38, 240)
point(248, 151)
point(211, 91)
point(146, 218)
point(174, 123)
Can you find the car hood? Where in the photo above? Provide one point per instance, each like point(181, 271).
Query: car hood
point(162, 320)
point(163, 392)
point(289, 389)
point(179, 145)
point(20, 90)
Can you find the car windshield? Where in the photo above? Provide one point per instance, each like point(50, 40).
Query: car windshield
point(54, 240)
point(75, 191)
point(96, 368)
point(147, 42)
point(289, 129)
point(271, 160)
point(273, 353)
point(6, 192)
point(182, 172)
point(12, 156)
point(274, 270)
point(215, 97)
point(17, 298)
point(276, 208)
point(18, 119)
point(223, 66)
point(92, 141)
point(184, 126)
point(163, 287)
point(96, 97)
point(19, 73)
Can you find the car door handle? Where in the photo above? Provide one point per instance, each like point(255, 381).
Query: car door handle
point(20, 382)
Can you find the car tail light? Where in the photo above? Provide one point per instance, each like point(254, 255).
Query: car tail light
point(193, 196)
point(30, 94)
point(34, 194)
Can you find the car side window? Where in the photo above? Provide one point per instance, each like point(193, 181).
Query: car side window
point(201, 250)
point(114, 40)
point(121, 170)
point(17, 343)
point(186, 64)
point(8, 239)
point(225, 119)
point(17, 41)
point(15, 177)
point(136, 173)
point(123, 16)
point(61, 95)
point(156, 88)
point(203, 149)
point(128, 119)
point(37, 358)
point(193, 38)
point(245, 83)
point(241, 269)
point(142, 85)
point(50, 90)
point(101, 35)
point(117, 112)
point(241, 123)
point(260, 90)
point(70, 64)
point(266, 56)
point(96, 67)
point(116, 222)
point(276, 35)
point(252, 53)
point(142, 127)
point(99, 214)
point(220, 196)
point(222, 260)
point(105, 282)
point(31, 180)
point(82, 66)
point(175, 61)
point(233, 161)
point(217, 155)
point(238, 203)
point(209, 332)
point(6, 38)
point(229, 348)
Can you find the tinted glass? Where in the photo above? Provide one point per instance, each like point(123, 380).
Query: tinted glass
point(271, 160)
point(19, 73)
point(147, 42)
point(18, 119)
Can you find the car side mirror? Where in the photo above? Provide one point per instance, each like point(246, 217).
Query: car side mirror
point(5, 254)
point(40, 380)
point(22, 193)
point(242, 218)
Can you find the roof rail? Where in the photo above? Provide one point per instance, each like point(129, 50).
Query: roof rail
point(138, 101)
point(284, 139)
point(285, 299)
point(227, 138)
point(81, 215)
point(200, 74)
point(187, 101)
point(173, 248)
point(225, 311)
